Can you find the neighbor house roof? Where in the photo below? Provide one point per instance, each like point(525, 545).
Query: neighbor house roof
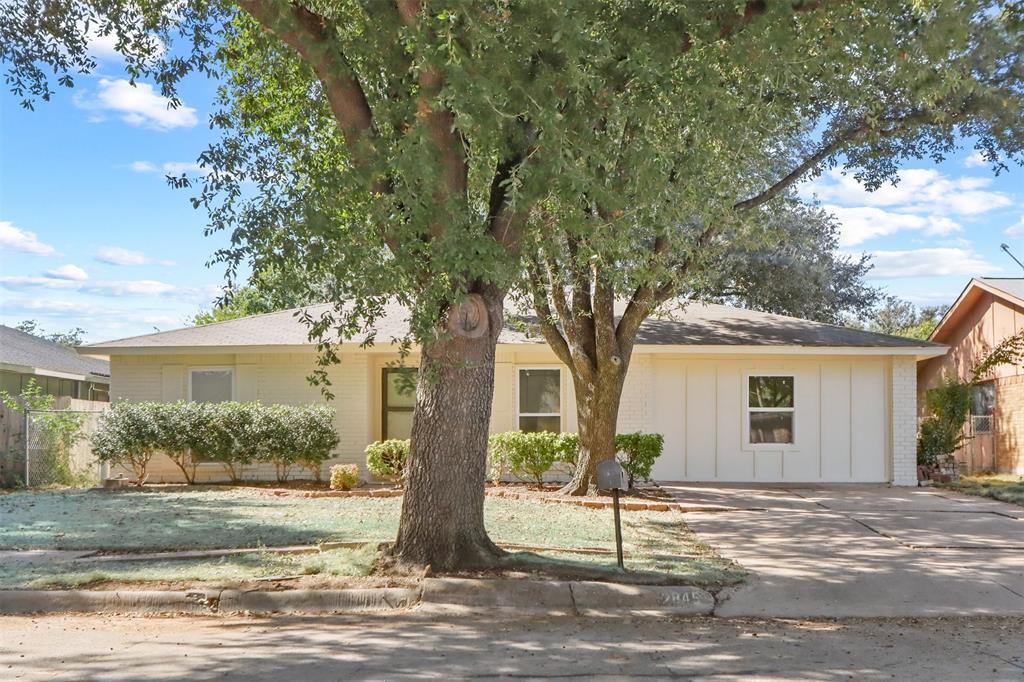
point(695, 326)
point(21, 352)
point(1010, 289)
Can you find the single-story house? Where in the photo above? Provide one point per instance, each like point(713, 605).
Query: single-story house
point(57, 370)
point(738, 395)
point(987, 311)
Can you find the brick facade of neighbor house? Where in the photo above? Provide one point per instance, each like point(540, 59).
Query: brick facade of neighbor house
point(1009, 424)
point(904, 421)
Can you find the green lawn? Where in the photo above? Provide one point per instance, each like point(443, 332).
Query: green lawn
point(218, 518)
point(1002, 487)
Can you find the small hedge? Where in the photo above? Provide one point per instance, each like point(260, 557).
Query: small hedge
point(532, 455)
point(344, 476)
point(231, 433)
point(387, 459)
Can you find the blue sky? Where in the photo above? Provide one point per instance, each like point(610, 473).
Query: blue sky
point(92, 236)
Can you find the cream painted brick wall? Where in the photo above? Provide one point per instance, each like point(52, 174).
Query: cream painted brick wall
point(635, 412)
point(904, 421)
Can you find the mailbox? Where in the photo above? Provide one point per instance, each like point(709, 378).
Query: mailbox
point(610, 476)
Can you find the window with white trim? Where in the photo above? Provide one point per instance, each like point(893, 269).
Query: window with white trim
point(540, 400)
point(771, 408)
point(211, 385)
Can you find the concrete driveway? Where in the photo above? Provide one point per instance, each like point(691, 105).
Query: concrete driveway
point(858, 550)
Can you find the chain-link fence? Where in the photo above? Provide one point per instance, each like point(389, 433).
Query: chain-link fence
point(57, 448)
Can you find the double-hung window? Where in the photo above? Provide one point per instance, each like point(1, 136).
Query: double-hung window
point(211, 385)
point(540, 400)
point(771, 407)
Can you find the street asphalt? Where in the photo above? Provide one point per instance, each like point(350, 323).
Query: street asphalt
point(411, 646)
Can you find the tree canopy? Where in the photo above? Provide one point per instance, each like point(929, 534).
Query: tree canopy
point(434, 152)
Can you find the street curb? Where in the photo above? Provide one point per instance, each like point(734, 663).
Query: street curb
point(89, 601)
point(207, 601)
point(435, 595)
point(319, 601)
point(563, 598)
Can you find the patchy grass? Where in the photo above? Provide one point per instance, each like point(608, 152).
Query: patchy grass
point(219, 518)
point(1002, 487)
point(237, 568)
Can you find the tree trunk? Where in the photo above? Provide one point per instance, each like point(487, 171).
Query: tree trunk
point(597, 410)
point(442, 520)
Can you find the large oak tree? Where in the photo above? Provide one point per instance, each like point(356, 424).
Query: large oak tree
point(425, 151)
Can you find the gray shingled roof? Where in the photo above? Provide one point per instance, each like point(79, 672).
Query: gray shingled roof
point(19, 348)
point(695, 325)
point(1014, 286)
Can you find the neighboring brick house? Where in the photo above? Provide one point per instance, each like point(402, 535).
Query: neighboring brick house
point(738, 395)
point(989, 310)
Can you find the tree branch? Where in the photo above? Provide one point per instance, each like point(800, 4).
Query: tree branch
point(801, 169)
point(309, 34)
point(440, 121)
point(545, 318)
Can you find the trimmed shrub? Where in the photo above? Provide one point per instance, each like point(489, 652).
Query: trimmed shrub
point(637, 452)
point(231, 433)
point(524, 454)
point(127, 435)
point(531, 455)
point(387, 459)
point(344, 476)
point(315, 438)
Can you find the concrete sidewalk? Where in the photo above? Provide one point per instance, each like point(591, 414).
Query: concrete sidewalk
point(842, 551)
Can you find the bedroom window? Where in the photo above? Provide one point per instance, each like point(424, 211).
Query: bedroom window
point(211, 385)
point(540, 400)
point(399, 401)
point(770, 409)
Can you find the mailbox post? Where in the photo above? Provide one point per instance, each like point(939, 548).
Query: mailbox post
point(610, 476)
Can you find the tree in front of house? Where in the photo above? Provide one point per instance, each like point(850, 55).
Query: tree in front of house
point(430, 152)
point(707, 149)
point(71, 338)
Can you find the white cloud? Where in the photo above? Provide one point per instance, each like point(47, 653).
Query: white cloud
point(141, 287)
point(170, 168)
point(975, 160)
point(919, 190)
point(932, 262)
point(17, 239)
point(1016, 230)
point(115, 255)
point(69, 271)
point(861, 223)
point(138, 105)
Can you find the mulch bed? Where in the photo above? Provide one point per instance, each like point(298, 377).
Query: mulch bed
point(642, 499)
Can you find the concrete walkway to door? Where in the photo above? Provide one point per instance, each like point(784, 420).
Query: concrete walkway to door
point(860, 550)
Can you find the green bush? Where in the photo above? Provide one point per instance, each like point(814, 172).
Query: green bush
point(524, 454)
point(231, 433)
point(637, 452)
point(127, 435)
point(387, 459)
point(344, 476)
point(534, 454)
point(941, 433)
